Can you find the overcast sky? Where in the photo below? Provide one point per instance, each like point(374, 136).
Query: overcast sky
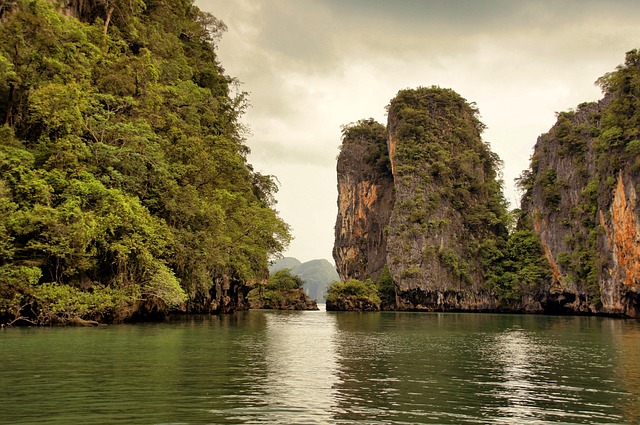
point(311, 66)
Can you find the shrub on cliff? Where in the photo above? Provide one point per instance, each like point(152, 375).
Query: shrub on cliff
point(525, 270)
point(376, 134)
point(386, 289)
point(353, 294)
point(283, 291)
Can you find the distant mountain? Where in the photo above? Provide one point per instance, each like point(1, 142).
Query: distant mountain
point(284, 263)
point(317, 274)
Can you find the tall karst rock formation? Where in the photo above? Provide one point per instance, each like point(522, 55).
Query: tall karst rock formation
point(365, 201)
point(423, 200)
point(439, 221)
point(581, 197)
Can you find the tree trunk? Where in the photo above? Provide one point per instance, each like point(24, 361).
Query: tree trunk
point(9, 114)
point(108, 18)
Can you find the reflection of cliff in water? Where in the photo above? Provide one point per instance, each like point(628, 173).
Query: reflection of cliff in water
point(456, 368)
point(367, 384)
point(626, 343)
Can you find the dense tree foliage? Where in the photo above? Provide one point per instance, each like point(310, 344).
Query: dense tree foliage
point(520, 269)
point(124, 184)
point(620, 131)
point(353, 294)
point(283, 291)
point(376, 134)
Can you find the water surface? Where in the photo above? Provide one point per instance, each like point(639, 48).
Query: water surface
point(318, 367)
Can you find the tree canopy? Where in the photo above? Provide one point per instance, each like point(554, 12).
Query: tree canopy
point(282, 291)
point(124, 187)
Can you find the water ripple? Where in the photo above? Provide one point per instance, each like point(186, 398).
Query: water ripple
point(264, 367)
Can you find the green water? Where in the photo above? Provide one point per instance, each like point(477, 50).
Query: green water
point(265, 367)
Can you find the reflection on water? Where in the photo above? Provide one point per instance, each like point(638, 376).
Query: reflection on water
point(288, 379)
point(465, 368)
point(626, 369)
point(529, 388)
point(300, 363)
point(538, 379)
point(269, 367)
point(513, 354)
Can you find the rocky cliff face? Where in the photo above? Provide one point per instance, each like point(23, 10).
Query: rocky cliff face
point(581, 198)
point(365, 201)
point(429, 218)
point(225, 296)
point(448, 203)
point(576, 246)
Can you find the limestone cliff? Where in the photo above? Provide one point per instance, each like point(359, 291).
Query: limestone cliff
point(448, 205)
point(365, 201)
point(434, 212)
point(581, 198)
point(576, 246)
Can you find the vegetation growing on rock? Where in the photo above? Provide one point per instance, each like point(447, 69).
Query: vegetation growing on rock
point(283, 291)
point(450, 219)
point(353, 295)
point(124, 186)
point(580, 194)
point(575, 247)
point(445, 227)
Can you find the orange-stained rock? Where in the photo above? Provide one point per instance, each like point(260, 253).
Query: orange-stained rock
point(623, 234)
point(400, 197)
point(393, 143)
point(541, 226)
point(582, 198)
point(365, 201)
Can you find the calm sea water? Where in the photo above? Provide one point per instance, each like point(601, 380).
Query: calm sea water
point(318, 367)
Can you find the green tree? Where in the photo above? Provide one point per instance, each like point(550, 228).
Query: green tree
point(284, 280)
point(283, 290)
point(353, 294)
point(125, 185)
